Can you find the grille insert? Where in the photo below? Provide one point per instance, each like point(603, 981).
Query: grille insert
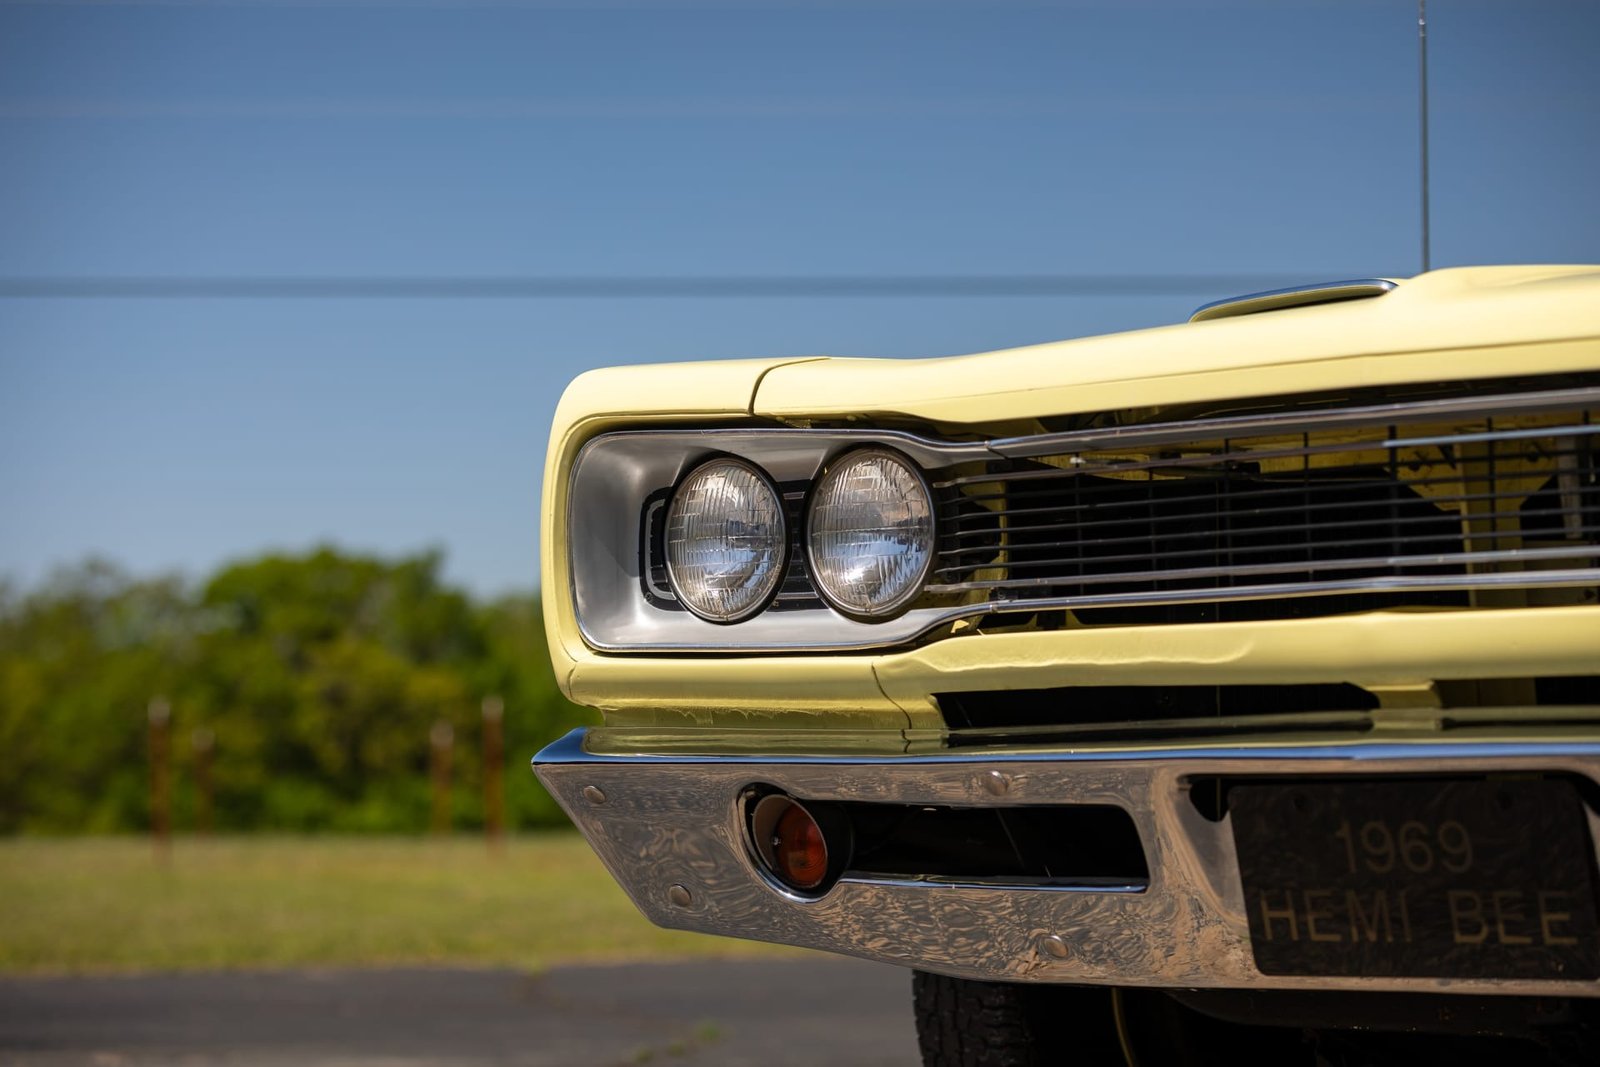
point(1424, 515)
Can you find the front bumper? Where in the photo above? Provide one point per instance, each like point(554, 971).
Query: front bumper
point(670, 829)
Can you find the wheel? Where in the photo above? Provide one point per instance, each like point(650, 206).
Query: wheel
point(965, 1023)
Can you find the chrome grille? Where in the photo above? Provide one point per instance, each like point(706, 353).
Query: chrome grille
point(1411, 506)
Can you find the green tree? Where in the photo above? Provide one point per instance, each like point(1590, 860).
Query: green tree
point(319, 676)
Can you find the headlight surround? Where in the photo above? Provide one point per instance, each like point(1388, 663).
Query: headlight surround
point(726, 540)
point(870, 534)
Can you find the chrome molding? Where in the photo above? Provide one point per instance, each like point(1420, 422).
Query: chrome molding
point(615, 474)
point(1293, 422)
point(1296, 296)
point(1576, 552)
point(813, 633)
point(670, 830)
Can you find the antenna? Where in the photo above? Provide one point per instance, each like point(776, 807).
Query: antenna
point(1422, 63)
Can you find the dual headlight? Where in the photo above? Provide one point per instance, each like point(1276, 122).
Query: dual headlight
point(869, 537)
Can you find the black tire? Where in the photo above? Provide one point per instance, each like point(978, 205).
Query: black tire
point(964, 1023)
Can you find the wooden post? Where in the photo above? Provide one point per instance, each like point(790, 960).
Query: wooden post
point(441, 739)
point(201, 744)
point(159, 743)
point(494, 793)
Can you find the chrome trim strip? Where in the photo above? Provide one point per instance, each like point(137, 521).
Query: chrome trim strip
point(1292, 297)
point(572, 748)
point(914, 624)
point(663, 821)
point(1579, 551)
point(1401, 414)
point(1401, 584)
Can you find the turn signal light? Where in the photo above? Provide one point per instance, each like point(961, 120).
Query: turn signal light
point(790, 842)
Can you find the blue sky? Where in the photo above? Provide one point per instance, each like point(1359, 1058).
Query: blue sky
point(295, 138)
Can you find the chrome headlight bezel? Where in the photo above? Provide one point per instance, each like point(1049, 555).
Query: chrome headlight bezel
point(770, 581)
point(617, 495)
point(895, 605)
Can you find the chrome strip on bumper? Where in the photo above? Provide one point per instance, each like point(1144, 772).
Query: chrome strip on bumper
point(670, 831)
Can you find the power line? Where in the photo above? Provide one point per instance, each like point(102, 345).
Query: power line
point(537, 287)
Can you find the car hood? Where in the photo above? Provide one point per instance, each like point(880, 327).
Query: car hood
point(1491, 321)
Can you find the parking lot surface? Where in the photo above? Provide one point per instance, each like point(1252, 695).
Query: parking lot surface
point(804, 1011)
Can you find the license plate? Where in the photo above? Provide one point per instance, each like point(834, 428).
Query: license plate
point(1426, 879)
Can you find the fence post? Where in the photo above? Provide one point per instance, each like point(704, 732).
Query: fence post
point(494, 793)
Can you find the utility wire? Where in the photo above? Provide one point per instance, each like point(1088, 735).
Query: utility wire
point(600, 287)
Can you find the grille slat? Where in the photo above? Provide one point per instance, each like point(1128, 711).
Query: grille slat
point(1177, 461)
point(1400, 563)
point(1420, 583)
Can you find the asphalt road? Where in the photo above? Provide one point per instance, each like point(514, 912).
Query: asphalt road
point(703, 1013)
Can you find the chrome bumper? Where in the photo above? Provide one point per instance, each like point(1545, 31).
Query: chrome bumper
point(670, 830)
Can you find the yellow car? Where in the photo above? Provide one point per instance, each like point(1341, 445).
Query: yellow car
point(1244, 671)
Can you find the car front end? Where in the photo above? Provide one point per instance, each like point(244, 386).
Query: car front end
point(1255, 654)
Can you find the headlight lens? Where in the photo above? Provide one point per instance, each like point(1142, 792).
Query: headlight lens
point(870, 533)
point(725, 541)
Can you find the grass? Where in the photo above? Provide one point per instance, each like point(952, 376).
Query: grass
point(108, 905)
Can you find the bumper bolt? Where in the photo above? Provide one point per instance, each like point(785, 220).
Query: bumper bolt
point(1054, 946)
point(997, 784)
point(594, 794)
point(679, 895)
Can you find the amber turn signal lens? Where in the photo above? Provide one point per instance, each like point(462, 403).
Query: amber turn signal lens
point(800, 853)
point(789, 841)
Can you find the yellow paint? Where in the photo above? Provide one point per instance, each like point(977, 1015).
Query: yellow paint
point(1389, 648)
point(1452, 324)
point(747, 688)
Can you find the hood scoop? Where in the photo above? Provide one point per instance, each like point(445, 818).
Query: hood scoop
point(1299, 296)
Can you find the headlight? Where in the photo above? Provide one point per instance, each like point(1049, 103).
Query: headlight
point(869, 534)
point(725, 541)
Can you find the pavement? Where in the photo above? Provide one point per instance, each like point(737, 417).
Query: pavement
point(698, 1014)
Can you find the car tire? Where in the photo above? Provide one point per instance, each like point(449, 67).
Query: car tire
point(966, 1023)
